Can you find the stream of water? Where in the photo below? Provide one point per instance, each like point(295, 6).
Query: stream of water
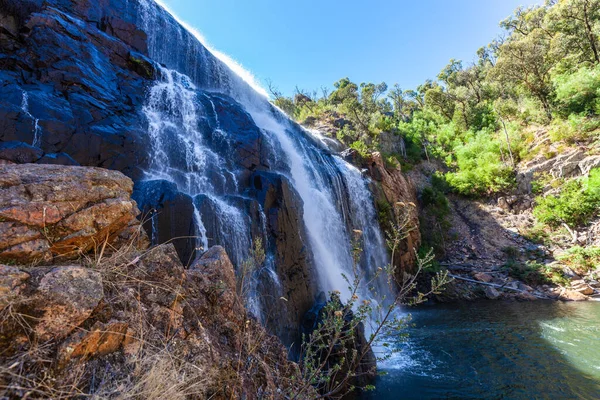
point(497, 350)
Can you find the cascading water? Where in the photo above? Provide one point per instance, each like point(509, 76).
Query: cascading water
point(191, 149)
point(37, 131)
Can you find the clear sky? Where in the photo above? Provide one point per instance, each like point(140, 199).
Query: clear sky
point(311, 43)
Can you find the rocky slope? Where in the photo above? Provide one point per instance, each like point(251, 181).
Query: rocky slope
point(115, 318)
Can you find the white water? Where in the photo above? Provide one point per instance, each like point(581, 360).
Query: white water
point(37, 131)
point(335, 196)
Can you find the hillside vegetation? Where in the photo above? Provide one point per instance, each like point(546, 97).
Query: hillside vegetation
point(495, 129)
point(480, 118)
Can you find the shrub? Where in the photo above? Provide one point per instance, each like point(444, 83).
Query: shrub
point(577, 203)
point(578, 92)
point(534, 273)
point(581, 259)
point(480, 170)
point(361, 147)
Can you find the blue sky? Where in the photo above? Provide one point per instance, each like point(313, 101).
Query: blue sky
point(311, 43)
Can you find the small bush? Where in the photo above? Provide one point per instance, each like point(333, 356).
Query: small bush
point(577, 203)
point(581, 259)
point(578, 92)
point(361, 148)
point(479, 167)
point(534, 273)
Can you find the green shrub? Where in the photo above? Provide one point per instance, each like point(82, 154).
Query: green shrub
point(361, 148)
point(577, 203)
point(534, 273)
point(579, 91)
point(581, 259)
point(479, 167)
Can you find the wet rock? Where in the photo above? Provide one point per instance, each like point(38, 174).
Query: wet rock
point(65, 297)
point(283, 210)
point(19, 152)
point(12, 283)
point(51, 211)
point(168, 215)
point(491, 293)
point(58, 159)
point(82, 93)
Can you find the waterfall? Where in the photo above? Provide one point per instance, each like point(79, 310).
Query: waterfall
point(37, 131)
point(184, 129)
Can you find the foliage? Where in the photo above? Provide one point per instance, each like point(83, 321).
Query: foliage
point(576, 204)
point(480, 169)
point(581, 259)
point(534, 273)
point(478, 118)
point(579, 91)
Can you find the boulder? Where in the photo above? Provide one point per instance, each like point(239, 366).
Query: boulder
point(589, 163)
point(12, 283)
point(582, 287)
point(567, 165)
point(102, 339)
point(572, 295)
point(19, 152)
point(52, 212)
point(65, 297)
point(491, 293)
point(483, 277)
point(216, 266)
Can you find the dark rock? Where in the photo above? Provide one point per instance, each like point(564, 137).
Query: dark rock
point(57, 159)
point(283, 210)
point(19, 152)
point(167, 215)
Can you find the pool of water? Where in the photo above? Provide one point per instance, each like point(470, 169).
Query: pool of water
point(497, 350)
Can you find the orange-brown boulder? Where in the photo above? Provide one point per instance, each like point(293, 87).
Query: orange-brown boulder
point(50, 212)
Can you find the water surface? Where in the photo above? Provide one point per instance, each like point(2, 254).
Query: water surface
point(498, 350)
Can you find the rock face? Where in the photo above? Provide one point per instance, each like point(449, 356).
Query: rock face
point(71, 82)
point(294, 267)
point(399, 192)
point(52, 212)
